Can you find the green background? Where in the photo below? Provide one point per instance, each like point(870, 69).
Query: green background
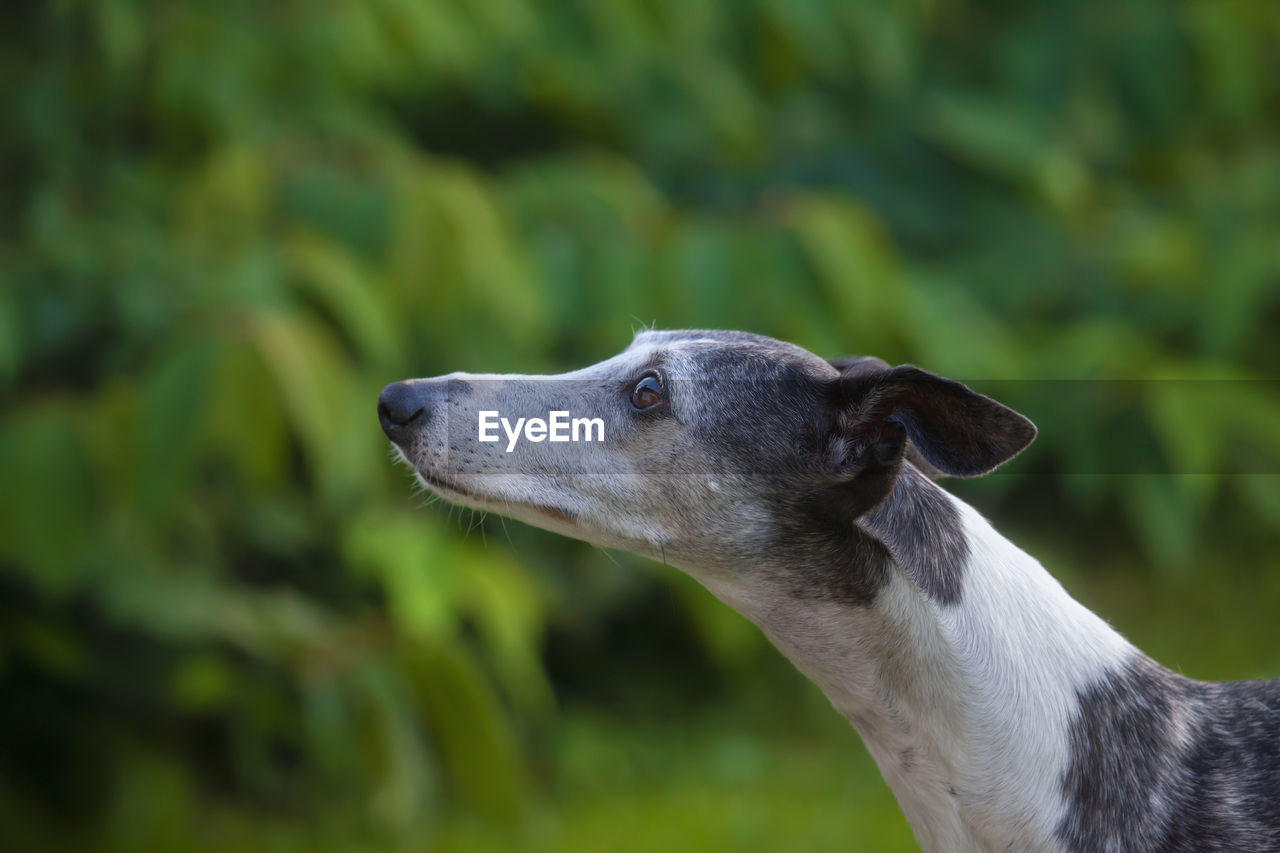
point(227, 622)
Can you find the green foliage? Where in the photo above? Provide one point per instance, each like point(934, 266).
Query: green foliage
point(225, 225)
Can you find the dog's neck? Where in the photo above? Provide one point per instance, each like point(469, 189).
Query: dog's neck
point(964, 698)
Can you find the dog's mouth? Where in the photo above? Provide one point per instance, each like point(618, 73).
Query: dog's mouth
point(446, 486)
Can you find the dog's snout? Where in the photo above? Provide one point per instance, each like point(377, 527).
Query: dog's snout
point(400, 404)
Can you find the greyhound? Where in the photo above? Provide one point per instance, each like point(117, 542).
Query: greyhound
point(800, 491)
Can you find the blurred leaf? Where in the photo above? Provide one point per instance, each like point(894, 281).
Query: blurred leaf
point(478, 747)
point(1262, 493)
point(1007, 141)
point(320, 398)
point(229, 198)
point(202, 682)
point(412, 560)
point(245, 418)
point(509, 611)
point(399, 796)
point(171, 419)
point(53, 647)
point(350, 294)
point(948, 326)
point(1187, 428)
point(1161, 516)
point(11, 338)
point(48, 495)
point(120, 33)
point(853, 262)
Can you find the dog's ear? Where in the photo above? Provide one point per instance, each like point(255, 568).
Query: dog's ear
point(956, 430)
point(854, 366)
point(859, 365)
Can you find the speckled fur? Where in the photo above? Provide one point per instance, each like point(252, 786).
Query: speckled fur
point(1163, 763)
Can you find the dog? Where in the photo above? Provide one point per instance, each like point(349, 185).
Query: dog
point(801, 492)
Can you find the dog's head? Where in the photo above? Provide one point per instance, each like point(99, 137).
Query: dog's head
point(700, 446)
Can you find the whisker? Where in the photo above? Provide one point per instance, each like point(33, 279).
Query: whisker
point(609, 554)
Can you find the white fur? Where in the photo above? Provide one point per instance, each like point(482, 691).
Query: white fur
point(978, 696)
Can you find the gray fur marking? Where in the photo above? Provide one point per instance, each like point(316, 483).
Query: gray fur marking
point(921, 528)
point(1160, 762)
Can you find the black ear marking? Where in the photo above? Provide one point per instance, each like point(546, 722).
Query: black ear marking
point(881, 416)
point(876, 456)
point(956, 430)
point(854, 366)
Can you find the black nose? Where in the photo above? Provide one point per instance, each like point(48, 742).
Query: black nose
point(400, 404)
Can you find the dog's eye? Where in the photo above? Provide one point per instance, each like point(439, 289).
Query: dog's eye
point(647, 394)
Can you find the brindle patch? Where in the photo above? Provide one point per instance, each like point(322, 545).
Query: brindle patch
point(1163, 763)
point(922, 530)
